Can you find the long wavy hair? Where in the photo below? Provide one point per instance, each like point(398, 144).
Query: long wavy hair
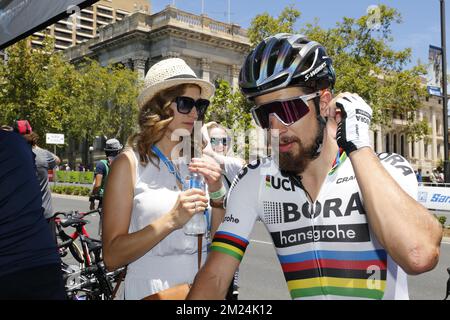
point(154, 119)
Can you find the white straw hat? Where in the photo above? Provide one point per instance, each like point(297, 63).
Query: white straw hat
point(169, 73)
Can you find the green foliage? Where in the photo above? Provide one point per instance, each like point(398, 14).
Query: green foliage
point(265, 25)
point(364, 63)
point(229, 108)
point(57, 97)
point(442, 220)
point(83, 177)
point(71, 190)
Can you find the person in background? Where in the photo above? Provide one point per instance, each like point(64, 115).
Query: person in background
point(44, 161)
point(419, 176)
point(219, 142)
point(30, 266)
point(112, 149)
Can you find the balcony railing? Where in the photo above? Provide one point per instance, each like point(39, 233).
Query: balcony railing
point(171, 15)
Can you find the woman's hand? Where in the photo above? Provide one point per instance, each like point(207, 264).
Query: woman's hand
point(189, 202)
point(210, 170)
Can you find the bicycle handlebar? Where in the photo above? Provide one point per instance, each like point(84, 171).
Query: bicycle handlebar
point(75, 214)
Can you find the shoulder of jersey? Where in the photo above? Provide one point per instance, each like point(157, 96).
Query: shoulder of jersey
point(253, 169)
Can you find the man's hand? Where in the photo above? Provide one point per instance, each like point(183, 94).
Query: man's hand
point(353, 116)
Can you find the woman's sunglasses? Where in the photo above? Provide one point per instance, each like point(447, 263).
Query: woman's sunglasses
point(217, 141)
point(287, 111)
point(185, 105)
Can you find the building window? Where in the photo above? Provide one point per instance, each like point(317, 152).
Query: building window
point(413, 151)
point(426, 150)
point(104, 19)
point(387, 143)
point(375, 137)
point(87, 15)
point(104, 11)
point(120, 15)
point(402, 145)
point(395, 143)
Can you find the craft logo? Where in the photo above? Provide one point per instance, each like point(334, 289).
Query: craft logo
point(345, 179)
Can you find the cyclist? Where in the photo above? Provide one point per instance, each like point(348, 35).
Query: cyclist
point(112, 149)
point(345, 223)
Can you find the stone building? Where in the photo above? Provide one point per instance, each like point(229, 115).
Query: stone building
point(85, 24)
point(427, 153)
point(213, 49)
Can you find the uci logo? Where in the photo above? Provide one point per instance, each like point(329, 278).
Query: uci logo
point(275, 182)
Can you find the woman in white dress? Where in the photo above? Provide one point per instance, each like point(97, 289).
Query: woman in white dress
point(145, 206)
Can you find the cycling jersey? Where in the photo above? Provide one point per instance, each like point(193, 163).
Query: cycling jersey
point(327, 249)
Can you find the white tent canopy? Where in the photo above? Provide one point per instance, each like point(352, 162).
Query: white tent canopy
point(21, 18)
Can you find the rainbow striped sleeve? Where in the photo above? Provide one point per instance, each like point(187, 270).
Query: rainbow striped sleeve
point(341, 273)
point(230, 244)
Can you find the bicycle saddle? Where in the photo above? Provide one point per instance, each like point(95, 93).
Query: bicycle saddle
point(72, 222)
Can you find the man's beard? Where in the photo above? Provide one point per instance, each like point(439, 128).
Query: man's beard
point(296, 161)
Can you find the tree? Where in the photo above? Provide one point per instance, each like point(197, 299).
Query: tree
point(79, 101)
point(364, 63)
point(264, 25)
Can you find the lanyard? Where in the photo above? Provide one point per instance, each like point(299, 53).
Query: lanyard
point(168, 164)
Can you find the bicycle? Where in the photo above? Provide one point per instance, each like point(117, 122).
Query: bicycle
point(90, 277)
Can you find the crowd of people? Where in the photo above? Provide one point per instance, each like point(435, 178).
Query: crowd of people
point(146, 198)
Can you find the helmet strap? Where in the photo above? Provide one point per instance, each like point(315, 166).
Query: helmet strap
point(322, 123)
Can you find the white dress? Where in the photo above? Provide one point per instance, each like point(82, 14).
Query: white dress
point(173, 260)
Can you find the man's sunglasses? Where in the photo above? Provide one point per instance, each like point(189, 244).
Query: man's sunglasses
point(185, 105)
point(287, 111)
point(217, 141)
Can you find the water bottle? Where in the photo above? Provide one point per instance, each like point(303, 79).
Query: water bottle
point(197, 224)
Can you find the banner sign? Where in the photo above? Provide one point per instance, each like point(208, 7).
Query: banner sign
point(435, 198)
point(434, 83)
point(54, 138)
point(21, 18)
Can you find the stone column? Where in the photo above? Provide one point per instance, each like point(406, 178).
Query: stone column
point(433, 136)
point(139, 66)
point(235, 69)
point(206, 69)
point(421, 145)
point(379, 139)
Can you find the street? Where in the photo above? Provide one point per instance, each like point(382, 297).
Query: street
point(260, 275)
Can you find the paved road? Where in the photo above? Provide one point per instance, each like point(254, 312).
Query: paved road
point(261, 277)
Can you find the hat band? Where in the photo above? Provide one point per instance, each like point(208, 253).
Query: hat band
point(183, 76)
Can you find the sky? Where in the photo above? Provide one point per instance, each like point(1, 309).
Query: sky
point(419, 29)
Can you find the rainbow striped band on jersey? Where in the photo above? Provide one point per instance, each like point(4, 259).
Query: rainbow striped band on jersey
point(230, 244)
point(359, 274)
